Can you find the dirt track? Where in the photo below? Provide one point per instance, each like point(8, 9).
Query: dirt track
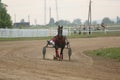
point(22, 60)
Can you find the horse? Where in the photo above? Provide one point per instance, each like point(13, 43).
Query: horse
point(59, 41)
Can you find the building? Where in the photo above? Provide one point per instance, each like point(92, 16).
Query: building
point(22, 23)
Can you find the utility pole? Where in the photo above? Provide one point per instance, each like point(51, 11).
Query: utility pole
point(29, 18)
point(50, 12)
point(44, 12)
point(14, 18)
point(89, 17)
point(35, 22)
point(57, 16)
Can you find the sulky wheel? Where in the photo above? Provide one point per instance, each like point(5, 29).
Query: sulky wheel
point(44, 52)
point(69, 53)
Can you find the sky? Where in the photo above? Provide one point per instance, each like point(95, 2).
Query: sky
point(67, 10)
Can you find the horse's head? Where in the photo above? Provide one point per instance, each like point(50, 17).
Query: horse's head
point(60, 30)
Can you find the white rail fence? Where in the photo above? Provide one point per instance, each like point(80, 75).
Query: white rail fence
point(11, 33)
point(102, 31)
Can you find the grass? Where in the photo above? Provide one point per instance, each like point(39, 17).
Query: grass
point(113, 53)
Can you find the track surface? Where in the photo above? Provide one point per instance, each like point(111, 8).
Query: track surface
point(22, 60)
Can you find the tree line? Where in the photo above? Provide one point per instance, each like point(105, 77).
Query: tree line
point(77, 22)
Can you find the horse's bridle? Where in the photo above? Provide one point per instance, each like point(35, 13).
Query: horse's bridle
point(60, 30)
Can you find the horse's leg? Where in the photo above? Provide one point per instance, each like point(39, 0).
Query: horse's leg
point(56, 51)
point(62, 48)
point(61, 53)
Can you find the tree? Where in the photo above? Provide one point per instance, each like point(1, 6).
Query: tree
point(107, 21)
point(63, 22)
point(94, 22)
point(76, 22)
point(86, 22)
point(5, 18)
point(118, 20)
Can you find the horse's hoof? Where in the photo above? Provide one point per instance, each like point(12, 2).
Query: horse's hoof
point(60, 59)
point(55, 58)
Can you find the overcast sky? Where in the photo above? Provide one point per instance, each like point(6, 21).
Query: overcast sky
point(68, 9)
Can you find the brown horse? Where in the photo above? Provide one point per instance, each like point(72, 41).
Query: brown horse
point(59, 41)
